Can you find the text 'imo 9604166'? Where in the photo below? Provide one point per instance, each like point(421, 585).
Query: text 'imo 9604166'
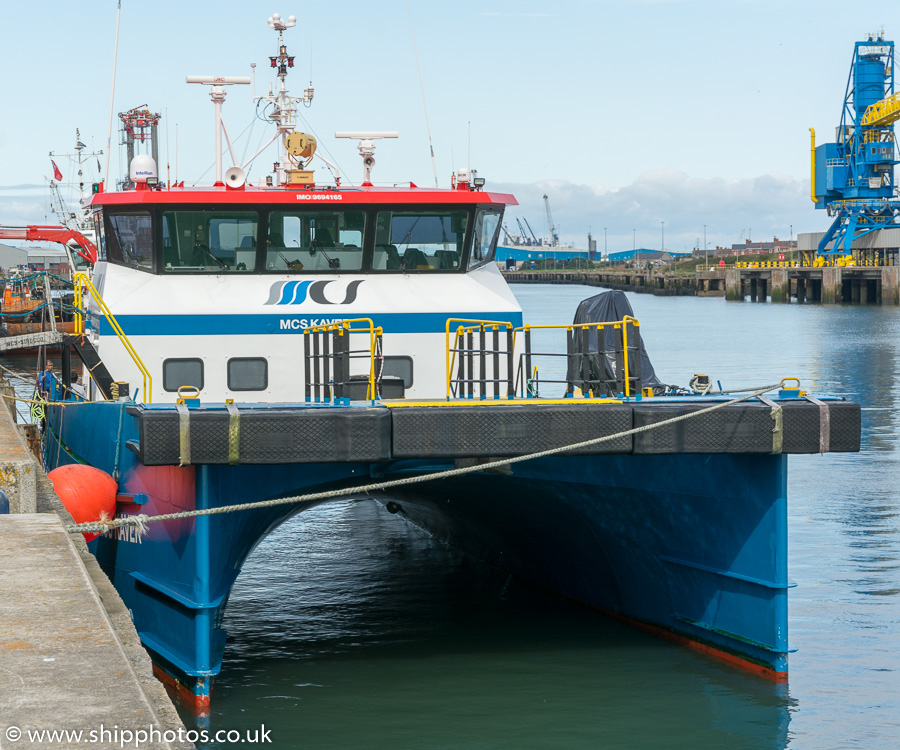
point(253, 350)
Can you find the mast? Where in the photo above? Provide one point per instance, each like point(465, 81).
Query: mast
point(76, 220)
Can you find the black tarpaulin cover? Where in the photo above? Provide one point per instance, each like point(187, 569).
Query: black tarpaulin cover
point(602, 344)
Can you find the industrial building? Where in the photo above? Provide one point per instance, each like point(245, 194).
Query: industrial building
point(37, 258)
point(645, 255)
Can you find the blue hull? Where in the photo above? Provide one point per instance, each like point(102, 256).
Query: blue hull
point(694, 546)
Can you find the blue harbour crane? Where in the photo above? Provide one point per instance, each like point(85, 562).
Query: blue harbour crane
point(853, 178)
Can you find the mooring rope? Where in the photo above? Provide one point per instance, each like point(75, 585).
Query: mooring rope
point(43, 402)
point(140, 521)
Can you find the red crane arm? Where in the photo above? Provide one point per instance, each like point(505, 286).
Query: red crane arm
point(60, 234)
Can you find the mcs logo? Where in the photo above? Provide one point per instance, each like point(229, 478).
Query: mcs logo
point(297, 292)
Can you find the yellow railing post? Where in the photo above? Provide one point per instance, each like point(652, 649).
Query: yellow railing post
point(345, 327)
point(449, 363)
point(80, 279)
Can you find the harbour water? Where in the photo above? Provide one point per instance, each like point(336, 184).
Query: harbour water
point(351, 629)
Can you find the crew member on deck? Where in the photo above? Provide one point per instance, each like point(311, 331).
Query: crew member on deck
point(46, 381)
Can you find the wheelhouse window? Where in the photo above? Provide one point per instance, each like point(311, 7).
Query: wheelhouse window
point(182, 372)
point(100, 234)
point(130, 240)
point(329, 241)
point(209, 241)
point(484, 238)
point(419, 241)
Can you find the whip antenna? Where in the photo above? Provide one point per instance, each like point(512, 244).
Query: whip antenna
point(112, 96)
point(422, 87)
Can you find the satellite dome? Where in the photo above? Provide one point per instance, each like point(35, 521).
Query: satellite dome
point(142, 167)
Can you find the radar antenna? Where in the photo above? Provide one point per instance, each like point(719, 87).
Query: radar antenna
point(367, 148)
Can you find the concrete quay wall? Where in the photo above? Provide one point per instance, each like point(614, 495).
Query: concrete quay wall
point(872, 285)
point(71, 657)
point(702, 284)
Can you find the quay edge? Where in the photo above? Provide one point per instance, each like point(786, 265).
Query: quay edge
point(874, 285)
point(34, 624)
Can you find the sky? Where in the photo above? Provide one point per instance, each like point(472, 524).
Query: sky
point(643, 121)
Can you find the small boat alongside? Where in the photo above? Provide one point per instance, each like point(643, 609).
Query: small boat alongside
point(252, 351)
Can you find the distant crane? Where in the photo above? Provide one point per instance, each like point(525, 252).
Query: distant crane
point(509, 237)
point(533, 235)
point(523, 236)
point(554, 237)
point(853, 179)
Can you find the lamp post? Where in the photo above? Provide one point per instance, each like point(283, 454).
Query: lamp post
point(634, 256)
point(705, 251)
point(605, 251)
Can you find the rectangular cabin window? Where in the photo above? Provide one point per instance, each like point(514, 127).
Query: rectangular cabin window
point(130, 240)
point(182, 372)
point(315, 241)
point(209, 241)
point(484, 238)
point(100, 232)
point(419, 241)
point(248, 374)
point(399, 366)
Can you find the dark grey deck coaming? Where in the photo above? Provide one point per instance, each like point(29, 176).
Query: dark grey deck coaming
point(363, 433)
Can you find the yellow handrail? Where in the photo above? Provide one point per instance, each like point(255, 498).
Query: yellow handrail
point(81, 278)
point(459, 332)
point(623, 324)
point(497, 324)
point(345, 326)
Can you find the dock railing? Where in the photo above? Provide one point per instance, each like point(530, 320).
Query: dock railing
point(481, 359)
point(82, 280)
point(328, 359)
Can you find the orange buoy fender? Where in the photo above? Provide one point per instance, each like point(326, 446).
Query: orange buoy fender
point(86, 492)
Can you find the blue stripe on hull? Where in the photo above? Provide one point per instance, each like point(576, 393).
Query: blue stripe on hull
point(286, 321)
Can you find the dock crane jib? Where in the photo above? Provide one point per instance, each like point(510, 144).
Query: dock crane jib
point(533, 235)
point(554, 236)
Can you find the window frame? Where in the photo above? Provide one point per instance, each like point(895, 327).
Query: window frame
point(228, 362)
point(480, 211)
point(436, 208)
point(263, 211)
point(263, 248)
point(261, 225)
point(412, 369)
point(110, 231)
point(184, 359)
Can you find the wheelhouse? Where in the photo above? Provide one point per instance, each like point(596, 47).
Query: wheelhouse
point(340, 232)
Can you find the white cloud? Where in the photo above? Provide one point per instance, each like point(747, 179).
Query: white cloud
point(764, 206)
